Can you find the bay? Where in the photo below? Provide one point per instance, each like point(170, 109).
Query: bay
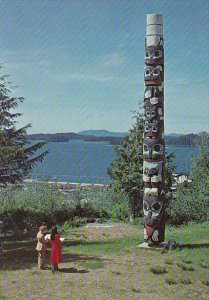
point(87, 162)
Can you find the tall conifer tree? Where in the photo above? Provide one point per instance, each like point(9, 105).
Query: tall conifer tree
point(17, 155)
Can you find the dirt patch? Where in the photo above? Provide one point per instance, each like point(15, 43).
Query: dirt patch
point(104, 231)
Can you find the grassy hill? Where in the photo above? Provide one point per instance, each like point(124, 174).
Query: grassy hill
point(104, 263)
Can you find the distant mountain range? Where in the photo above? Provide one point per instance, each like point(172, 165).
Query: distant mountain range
point(65, 137)
point(115, 138)
point(190, 139)
point(103, 132)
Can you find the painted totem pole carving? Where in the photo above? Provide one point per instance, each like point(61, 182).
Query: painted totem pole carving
point(153, 142)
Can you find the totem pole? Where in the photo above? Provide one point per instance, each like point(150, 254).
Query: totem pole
point(153, 142)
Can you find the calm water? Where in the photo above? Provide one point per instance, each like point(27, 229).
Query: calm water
point(78, 161)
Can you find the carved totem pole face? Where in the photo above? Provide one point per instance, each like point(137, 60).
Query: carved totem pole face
point(152, 174)
point(153, 118)
point(152, 207)
point(153, 150)
point(154, 103)
point(150, 113)
point(153, 212)
point(153, 75)
point(154, 55)
point(153, 129)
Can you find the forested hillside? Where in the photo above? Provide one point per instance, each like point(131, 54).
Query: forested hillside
point(172, 140)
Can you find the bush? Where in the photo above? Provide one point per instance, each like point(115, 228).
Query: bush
point(171, 281)
point(78, 222)
point(158, 270)
point(187, 208)
point(185, 281)
point(192, 203)
point(23, 211)
point(187, 268)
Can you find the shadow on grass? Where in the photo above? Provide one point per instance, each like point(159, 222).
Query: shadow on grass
point(12, 244)
point(73, 270)
point(85, 242)
point(23, 255)
point(110, 241)
point(193, 246)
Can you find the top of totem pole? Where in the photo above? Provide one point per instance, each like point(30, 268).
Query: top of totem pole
point(154, 29)
point(154, 19)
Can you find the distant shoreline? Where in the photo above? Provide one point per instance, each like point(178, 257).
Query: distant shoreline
point(179, 178)
point(64, 184)
point(170, 140)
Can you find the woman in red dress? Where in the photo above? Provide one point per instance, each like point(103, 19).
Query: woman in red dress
point(55, 257)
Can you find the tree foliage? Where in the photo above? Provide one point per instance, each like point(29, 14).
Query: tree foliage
point(126, 170)
point(192, 204)
point(17, 154)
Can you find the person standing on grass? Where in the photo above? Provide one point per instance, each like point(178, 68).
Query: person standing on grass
point(41, 247)
point(56, 250)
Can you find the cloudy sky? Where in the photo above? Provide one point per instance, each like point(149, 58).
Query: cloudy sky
point(79, 63)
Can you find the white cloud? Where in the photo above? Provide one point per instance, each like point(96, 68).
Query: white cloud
point(180, 81)
point(85, 77)
point(111, 60)
point(89, 77)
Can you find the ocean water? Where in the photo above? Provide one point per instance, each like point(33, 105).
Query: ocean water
point(87, 162)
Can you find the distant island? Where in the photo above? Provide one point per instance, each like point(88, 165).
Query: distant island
point(115, 138)
point(190, 139)
point(67, 136)
point(103, 132)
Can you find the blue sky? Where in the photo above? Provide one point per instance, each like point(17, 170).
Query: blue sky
point(79, 64)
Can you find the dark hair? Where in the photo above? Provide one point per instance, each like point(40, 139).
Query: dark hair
point(53, 232)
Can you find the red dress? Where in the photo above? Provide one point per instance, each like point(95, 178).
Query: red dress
point(55, 257)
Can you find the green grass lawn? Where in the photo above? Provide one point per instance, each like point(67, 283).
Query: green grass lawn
point(104, 263)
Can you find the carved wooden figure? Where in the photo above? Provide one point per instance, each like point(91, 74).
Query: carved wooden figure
point(153, 142)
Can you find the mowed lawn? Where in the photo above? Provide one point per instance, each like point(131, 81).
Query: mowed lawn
point(104, 263)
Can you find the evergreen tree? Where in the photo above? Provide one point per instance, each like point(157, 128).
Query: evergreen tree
point(17, 155)
point(126, 171)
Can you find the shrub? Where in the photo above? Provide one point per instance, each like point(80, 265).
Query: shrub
point(185, 281)
point(171, 281)
point(135, 290)
point(158, 270)
point(192, 203)
point(187, 268)
point(78, 222)
point(24, 210)
point(186, 260)
point(180, 264)
point(187, 208)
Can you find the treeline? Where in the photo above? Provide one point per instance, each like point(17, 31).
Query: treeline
point(186, 140)
point(183, 140)
point(65, 137)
